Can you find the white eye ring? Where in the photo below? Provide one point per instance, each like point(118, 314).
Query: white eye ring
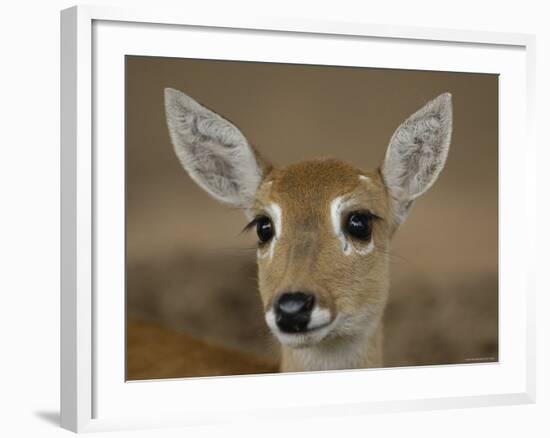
point(275, 213)
point(337, 207)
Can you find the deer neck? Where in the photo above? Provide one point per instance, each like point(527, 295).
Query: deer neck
point(361, 351)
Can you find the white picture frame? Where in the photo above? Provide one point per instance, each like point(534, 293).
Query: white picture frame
point(94, 395)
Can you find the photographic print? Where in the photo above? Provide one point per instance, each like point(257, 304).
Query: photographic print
point(289, 218)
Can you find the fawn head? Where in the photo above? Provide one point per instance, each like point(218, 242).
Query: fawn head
point(324, 226)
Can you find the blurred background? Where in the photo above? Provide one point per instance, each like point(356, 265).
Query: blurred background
point(192, 303)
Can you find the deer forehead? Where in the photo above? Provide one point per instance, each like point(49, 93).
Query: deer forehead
point(310, 194)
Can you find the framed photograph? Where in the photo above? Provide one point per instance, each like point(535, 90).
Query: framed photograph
point(268, 217)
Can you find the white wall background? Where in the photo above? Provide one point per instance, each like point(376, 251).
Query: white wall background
point(29, 218)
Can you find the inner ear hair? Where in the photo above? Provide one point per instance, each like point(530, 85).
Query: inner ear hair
point(417, 153)
point(213, 151)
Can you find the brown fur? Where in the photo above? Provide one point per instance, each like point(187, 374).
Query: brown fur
point(156, 352)
point(309, 257)
point(348, 277)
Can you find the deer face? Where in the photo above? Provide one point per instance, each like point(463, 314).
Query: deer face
point(323, 226)
point(323, 235)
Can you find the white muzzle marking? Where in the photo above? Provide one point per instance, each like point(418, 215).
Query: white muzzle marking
point(319, 327)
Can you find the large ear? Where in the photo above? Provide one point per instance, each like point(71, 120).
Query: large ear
point(213, 151)
point(417, 153)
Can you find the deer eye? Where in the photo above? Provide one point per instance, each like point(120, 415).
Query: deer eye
point(359, 225)
point(264, 229)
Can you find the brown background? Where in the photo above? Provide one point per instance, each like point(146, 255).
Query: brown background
point(190, 270)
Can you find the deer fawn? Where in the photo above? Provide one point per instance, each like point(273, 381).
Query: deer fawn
point(324, 227)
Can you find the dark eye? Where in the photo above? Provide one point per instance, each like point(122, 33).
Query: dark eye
point(264, 228)
point(359, 226)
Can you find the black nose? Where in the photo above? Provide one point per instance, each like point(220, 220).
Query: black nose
point(293, 311)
